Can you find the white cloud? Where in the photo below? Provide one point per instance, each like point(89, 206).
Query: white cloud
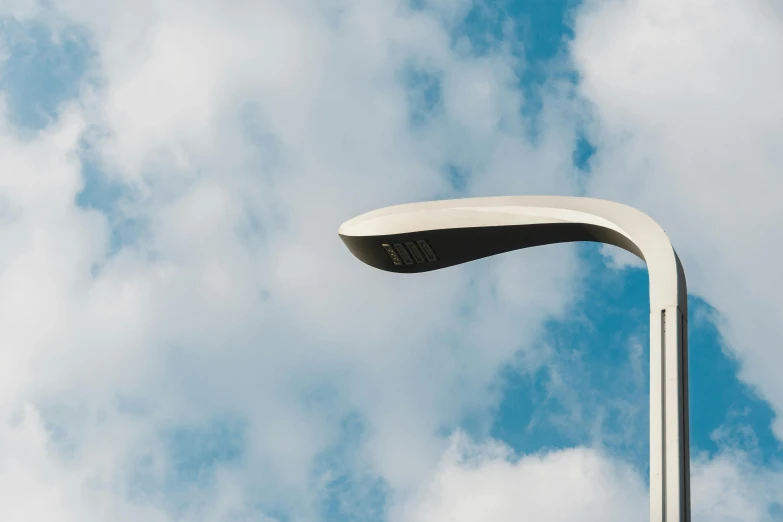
point(245, 134)
point(729, 487)
point(688, 123)
point(480, 482)
point(486, 481)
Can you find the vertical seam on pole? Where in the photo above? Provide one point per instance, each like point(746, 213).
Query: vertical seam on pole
point(663, 415)
point(684, 418)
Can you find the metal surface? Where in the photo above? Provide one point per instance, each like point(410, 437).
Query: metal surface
point(459, 231)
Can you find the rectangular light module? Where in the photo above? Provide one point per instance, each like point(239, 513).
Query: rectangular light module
point(428, 253)
point(410, 252)
point(392, 254)
point(406, 257)
point(415, 251)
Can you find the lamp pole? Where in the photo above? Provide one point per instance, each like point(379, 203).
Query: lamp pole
point(421, 237)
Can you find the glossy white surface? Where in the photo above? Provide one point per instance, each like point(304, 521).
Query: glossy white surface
point(638, 227)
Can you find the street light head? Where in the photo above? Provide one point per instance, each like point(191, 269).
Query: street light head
point(421, 237)
point(426, 250)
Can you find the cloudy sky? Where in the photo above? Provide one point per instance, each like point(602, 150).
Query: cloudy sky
point(183, 336)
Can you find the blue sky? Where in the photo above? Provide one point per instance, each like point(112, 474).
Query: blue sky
point(210, 352)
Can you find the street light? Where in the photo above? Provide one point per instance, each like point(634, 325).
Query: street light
point(420, 237)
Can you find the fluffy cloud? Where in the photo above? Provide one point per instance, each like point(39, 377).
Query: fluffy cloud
point(688, 124)
point(731, 487)
point(242, 134)
point(482, 481)
point(487, 481)
point(227, 359)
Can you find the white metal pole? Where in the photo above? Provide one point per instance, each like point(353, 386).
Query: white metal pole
point(669, 437)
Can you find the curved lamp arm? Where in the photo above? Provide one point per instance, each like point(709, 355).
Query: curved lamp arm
point(420, 237)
